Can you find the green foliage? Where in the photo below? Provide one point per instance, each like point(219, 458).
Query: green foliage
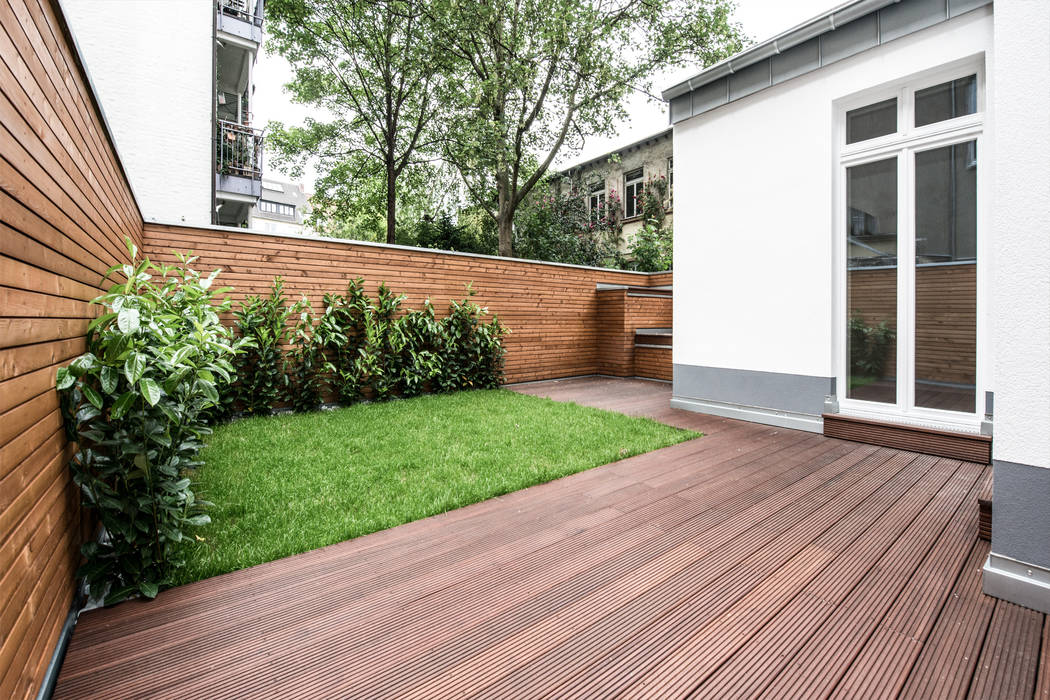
point(443, 234)
point(343, 328)
point(378, 351)
point(650, 249)
point(291, 483)
point(372, 68)
point(308, 364)
point(533, 77)
point(868, 349)
point(652, 246)
point(261, 367)
point(558, 227)
point(472, 351)
point(136, 404)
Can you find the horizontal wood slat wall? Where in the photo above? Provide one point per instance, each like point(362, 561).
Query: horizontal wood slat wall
point(653, 363)
point(945, 317)
point(621, 312)
point(65, 208)
point(551, 310)
point(972, 448)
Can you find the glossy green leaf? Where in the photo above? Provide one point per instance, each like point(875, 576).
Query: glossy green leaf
point(63, 379)
point(151, 391)
point(108, 377)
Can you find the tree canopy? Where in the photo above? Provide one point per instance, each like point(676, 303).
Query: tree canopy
point(497, 90)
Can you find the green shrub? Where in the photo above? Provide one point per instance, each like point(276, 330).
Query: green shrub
point(136, 404)
point(419, 349)
point(868, 350)
point(261, 370)
point(309, 364)
point(650, 250)
point(343, 329)
point(472, 351)
point(559, 228)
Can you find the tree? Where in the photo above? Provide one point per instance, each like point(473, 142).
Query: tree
point(536, 76)
point(370, 64)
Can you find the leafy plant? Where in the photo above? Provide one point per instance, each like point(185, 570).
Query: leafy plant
point(135, 402)
point(558, 227)
point(420, 344)
point(650, 249)
point(472, 354)
point(868, 348)
point(343, 328)
point(309, 364)
point(261, 368)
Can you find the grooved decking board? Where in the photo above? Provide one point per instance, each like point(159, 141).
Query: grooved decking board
point(750, 560)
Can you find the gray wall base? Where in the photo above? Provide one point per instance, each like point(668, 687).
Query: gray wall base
point(1017, 582)
point(768, 416)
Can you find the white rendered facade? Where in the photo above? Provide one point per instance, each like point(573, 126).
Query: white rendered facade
point(167, 75)
point(151, 65)
point(764, 228)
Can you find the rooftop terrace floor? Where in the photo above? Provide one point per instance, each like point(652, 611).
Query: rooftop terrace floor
point(752, 561)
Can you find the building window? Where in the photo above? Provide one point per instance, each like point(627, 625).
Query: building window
point(632, 193)
point(596, 203)
point(910, 229)
point(670, 183)
point(276, 207)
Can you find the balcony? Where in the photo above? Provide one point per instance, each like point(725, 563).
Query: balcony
point(238, 170)
point(240, 19)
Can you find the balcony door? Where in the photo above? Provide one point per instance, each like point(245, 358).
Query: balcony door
point(909, 232)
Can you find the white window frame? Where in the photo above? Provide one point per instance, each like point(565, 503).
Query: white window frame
point(904, 144)
point(640, 180)
point(596, 192)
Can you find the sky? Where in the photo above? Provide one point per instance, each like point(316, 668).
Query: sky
point(761, 19)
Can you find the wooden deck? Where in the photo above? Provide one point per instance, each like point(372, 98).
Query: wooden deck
point(753, 561)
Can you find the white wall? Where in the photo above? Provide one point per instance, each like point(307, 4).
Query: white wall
point(151, 65)
point(753, 209)
point(1021, 232)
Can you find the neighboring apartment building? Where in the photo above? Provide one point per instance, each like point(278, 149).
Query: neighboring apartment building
point(181, 116)
point(863, 247)
point(620, 175)
point(282, 208)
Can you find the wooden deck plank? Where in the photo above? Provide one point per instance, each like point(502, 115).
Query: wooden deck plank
point(1010, 656)
point(728, 565)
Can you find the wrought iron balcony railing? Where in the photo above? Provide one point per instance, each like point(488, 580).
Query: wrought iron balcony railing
point(242, 10)
point(238, 150)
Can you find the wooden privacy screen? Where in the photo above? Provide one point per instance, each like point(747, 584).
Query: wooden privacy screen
point(65, 207)
point(620, 313)
point(552, 310)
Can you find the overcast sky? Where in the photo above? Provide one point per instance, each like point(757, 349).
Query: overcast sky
point(761, 19)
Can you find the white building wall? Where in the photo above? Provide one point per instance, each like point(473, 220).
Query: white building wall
point(1021, 232)
point(151, 65)
point(753, 230)
point(1018, 567)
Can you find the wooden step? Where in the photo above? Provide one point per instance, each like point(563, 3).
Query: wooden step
point(942, 443)
point(984, 508)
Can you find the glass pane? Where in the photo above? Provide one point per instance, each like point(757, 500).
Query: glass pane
point(871, 281)
point(946, 101)
point(872, 121)
point(946, 278)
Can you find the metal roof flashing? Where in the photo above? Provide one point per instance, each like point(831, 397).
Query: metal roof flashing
point(840, 32)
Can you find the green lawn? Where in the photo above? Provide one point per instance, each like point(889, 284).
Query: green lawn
point(288, 484)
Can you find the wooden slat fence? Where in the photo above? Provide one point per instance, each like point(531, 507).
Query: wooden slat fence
point(65, 208)
point(552, 311)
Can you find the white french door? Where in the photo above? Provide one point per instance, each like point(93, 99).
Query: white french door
point(908, 218)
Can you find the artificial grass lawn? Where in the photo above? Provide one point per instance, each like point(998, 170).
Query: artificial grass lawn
point(288, 484)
